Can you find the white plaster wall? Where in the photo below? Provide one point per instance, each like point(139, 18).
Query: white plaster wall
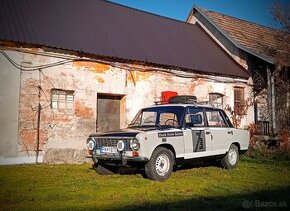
point(70, 130)
point(9, 104)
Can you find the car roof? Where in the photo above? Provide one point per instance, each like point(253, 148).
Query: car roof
point(181, 105)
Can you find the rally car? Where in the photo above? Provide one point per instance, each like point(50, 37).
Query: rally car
point(161, 136)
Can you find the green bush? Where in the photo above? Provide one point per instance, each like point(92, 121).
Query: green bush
point(263, 152)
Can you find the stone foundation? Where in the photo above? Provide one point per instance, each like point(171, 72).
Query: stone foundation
point(65, 156)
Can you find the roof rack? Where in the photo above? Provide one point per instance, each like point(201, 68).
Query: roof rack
point(203, 102)
point(160, 102)
point(184, 99)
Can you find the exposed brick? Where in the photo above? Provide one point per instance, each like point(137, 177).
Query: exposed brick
point(82, 111)
point(64, 128)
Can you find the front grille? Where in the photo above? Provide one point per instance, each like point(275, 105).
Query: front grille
point(112, 142)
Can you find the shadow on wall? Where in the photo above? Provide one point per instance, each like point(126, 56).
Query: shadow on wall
point(269, 200)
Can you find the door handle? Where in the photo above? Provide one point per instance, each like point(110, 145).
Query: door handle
point(230, 132)
point(207, 132)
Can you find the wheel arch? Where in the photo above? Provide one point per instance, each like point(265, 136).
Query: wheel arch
point(167, 146)
point(237, 144)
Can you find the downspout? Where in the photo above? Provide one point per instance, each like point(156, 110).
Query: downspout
point(38, 118)
point(269, 100)
point(273, 103)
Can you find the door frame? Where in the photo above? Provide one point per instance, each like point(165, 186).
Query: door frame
point(122, 98)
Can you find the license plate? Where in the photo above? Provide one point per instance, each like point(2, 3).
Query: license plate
point(109, 150)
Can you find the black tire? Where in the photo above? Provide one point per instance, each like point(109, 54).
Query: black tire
point(160, 165)
point(231, 159)
point(105, 169)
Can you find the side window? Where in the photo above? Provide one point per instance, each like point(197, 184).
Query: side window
point(215, 119)
point(194, 117)
point(226, 118)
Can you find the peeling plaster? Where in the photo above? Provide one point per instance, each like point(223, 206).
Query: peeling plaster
point(69, 129)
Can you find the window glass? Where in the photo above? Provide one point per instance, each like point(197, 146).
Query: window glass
point(168, 119)
point(226, 118)
point(194, 117)
point(216, 100)
point(165, 116)
point(239, 101)
point(62, 99)
point(215, 119)
point(149, 118)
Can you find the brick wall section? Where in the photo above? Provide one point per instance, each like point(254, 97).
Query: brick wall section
point(69, 129)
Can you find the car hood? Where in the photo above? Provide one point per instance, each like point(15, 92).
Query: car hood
point(128, 132)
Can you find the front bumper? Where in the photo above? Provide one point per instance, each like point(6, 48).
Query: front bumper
point(116, 158)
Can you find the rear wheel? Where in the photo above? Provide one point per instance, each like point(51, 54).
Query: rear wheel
point(160, 165)
point(232, 158)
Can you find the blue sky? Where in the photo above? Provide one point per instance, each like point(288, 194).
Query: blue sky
point(257, 11)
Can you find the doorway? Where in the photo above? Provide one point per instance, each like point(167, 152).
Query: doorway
point(109, 110)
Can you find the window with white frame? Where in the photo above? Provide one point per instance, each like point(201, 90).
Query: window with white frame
point(216, 100)
point(62, 99)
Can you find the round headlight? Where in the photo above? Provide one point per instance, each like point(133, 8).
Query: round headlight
point(120, 146)
point(134, 144)
point(91, 144)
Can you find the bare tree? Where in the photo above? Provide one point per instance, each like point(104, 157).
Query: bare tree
point(281, 71)
point(273, 85)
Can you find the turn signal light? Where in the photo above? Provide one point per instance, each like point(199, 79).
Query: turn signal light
point(135, 154)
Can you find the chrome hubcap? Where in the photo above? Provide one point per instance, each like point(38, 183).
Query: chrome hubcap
point(162, 164)
point(232, 157)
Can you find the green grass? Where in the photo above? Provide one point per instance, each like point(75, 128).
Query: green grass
point(79, 187)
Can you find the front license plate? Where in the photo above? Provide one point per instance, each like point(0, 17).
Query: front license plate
point(109, 150)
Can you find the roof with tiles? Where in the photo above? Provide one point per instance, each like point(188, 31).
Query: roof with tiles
point(254, 37)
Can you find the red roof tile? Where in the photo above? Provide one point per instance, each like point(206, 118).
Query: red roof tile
point(254, 37)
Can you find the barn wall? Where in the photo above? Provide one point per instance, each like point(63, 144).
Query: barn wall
point(9, 103)
point(68, 130)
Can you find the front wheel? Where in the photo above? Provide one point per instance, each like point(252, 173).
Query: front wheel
point(232, 158)
point(160, 165)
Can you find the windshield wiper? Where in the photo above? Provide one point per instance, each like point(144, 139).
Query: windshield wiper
point(135, 126)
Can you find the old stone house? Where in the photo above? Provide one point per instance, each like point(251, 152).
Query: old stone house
point(70, 68)
point(258, 49)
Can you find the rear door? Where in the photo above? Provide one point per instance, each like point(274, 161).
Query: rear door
point(221, 133)
point(196, 142)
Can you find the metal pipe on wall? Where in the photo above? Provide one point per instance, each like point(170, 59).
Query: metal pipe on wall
point(273, 98)
point(269, 100)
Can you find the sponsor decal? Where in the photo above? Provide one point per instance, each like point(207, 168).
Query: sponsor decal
point(170, 134)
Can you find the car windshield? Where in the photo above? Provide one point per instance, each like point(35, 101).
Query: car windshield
point(163, 116)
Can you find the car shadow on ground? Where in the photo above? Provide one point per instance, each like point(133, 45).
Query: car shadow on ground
point(197, 164)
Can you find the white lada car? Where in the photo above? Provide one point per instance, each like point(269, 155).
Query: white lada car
point(162, 136)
